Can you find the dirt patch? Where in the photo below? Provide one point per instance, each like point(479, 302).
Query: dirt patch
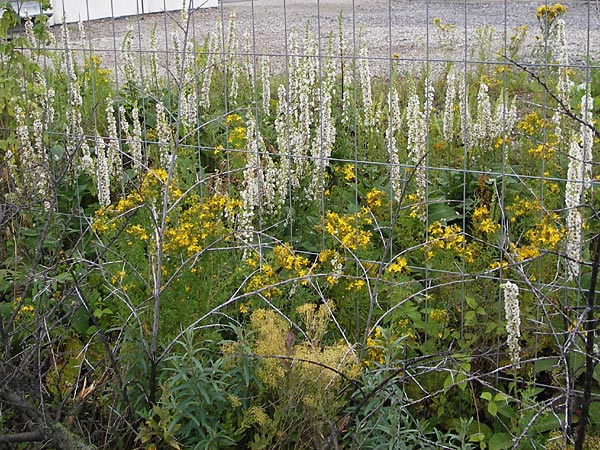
point(401, 28)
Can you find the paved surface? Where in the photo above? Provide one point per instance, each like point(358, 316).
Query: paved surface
point(396, 27)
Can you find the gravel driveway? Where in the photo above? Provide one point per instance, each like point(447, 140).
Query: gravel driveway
point(397, 27)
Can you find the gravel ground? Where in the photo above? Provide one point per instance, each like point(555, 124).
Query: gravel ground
point(394, 27)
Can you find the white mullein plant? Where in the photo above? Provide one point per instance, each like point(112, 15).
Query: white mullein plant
point(325, 131)
point(74, 130)
point(505, 118)
point(102, 173)
point(29, 35)
point(587, 139)
point(512, 312)
point(133, 138)
point(465, 112)
point(128, 64)
point(113, 150)
point(283, 133)
point(482, 128)
point(135, 142)
point(232, 58)
point(394, 127)
point(448, 119)
point(251, 193)
point(364, 69)
point(577, 173)
point(322, 146)
point(35, 179)
point(209, 67)
point(265, 72)
point(163, 135)
point(152, 80)
point(416, 146)
point(346, 76)
point(560, 50)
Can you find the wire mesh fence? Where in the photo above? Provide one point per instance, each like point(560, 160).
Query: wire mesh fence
point(296, 224)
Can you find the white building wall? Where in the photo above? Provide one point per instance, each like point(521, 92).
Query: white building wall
point(75, 10)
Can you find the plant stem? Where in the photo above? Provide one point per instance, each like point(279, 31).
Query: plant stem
point(590, 328)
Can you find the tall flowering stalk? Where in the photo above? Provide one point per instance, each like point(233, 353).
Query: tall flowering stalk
point(211, 60)
point(448, 119)
point(417, 139)
point(33, 170)
point(465, 112)
point(265, 72)
point(135, 141)
point(73, 128)
point(113, 150)
point(513, 322)
point(163, 135)
point(579, 169)
point(365, 86)
point(346, 75)
point(505, 117)
point(255, 192)
point(102, 173)
point(560, 49)
point(128, 64)
point(587, 139)
point(394, 127)
point(482, 128)
point(232, 55)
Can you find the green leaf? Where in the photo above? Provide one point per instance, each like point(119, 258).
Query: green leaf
point(500, 441)
point(501, 397)
point(471, 302)
point(486, 396)
point(492, 408)
point(477, 437)
point(448, 381)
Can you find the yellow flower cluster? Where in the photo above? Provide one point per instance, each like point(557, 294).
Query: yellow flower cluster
point(438, 315)
point(541, 151)
point(347, 228)
point(25, 310)
point(356, 285)
point(138, 232)
point(531, 124)
point(449, 237)
point(286, 258)
point(202, 219)
point(375, 349)
point(483, 222)
point(521, 206)
point(100, 75)
point(347, 170)
point(236, 135)
point(545, 235)
point(399, 265)
point(375, 198)
point(548, 13)
point(264, 282)
point(524, 253)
